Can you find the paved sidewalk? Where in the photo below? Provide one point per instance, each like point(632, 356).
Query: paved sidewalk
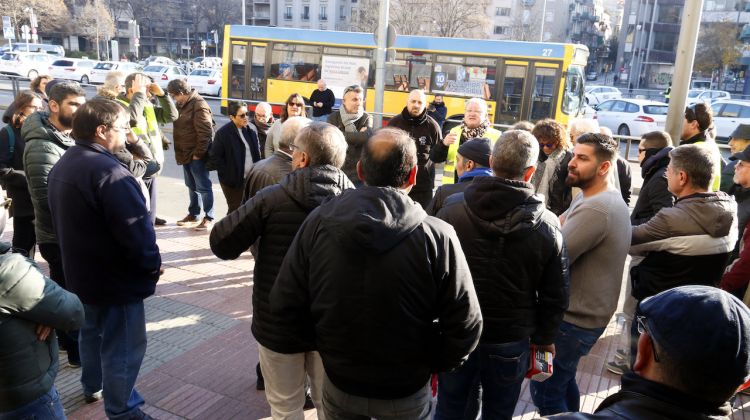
point(200, 362)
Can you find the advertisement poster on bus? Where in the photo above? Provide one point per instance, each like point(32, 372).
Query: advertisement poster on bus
point(340, 72)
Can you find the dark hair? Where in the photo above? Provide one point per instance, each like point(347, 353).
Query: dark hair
point(235, 106)
point(34, 85)
point(62, 90)
point(388, 165)
point(22, 100)
point(549, 130)
point(605, 147)
point(285, 112)
point(92, 114)
point(656, 140)
point(178, 87)
point(700, 112)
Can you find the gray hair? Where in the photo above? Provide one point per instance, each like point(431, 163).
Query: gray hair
point(264, 105)
point(324, 144)
point(583, 125)
point(289, 130)
point(513, 153)
point(698, 161)
point(479, 101)
point(114, 79)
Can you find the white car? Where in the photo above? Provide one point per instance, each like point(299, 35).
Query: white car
point(99, 72)
point(25, 64)
point(157, 59)
point(598, 94)
point(206, 81)
point(205, 62)
point(72, 69)
point(696, 95)
point(728, 115)
point(632, 117)
point(162, 74)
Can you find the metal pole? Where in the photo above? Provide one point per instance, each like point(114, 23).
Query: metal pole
point(188, 42)
point(691, 18)
point(544, 17)
point(651, 32)
point(243, 12)
point(380, 61)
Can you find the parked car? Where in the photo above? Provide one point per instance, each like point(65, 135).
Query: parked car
point(598, 94)
point(205, 62)
point(709, 96)
point(206, 81)
point(728, 114)
point(162, 74)
point(100, 70)
point(632, 117)
point(157, 59)
point(592, 75)
point(43, 48)
point(25, 64)
point(72, 69)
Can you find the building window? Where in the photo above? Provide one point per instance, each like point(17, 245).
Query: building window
point(288, 13)
point(501, 30)
point(305, 12)
point(669, 14)
point(123, 24)
point(342, 15)
point(666, 41)
point(323, 12)
point(502, 11)
point(355, 15)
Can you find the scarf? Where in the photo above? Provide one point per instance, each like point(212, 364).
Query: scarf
point(548, 170)
point(348, 119)
point(264, 126)
point(472, 133)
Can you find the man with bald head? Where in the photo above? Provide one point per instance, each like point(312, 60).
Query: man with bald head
point(374, 327)
point(322, 100)
point(425, 132)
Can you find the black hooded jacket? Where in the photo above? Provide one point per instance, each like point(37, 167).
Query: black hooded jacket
point(272, 217)
point(515, 251)
point(384, 290)
point(425, 132)
point(654, 194)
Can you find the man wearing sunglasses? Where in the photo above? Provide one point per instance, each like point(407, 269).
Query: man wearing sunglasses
point(698, 120)
point(356, 125)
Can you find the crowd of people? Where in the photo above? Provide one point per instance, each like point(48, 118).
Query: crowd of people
point(369, 285)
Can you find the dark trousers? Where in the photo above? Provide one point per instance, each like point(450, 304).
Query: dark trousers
point(68, 339)
point(151, 186)
point(24, 237)
point(233, 196)
point(422, 197)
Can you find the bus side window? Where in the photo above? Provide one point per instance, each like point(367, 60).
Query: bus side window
point(295, 62)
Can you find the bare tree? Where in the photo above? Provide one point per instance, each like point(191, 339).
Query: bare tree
point(526, 25)
point(718, 47)
point(365, 18)
point(459, 18)
point(94, 22)
point(53, 15)
point(409, 17)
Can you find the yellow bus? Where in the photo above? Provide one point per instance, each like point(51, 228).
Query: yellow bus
point(519, 80)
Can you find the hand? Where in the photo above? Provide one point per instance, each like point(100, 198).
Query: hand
point(155, 89)
point(131, 137)
point(549, 347)
point(450, 139)
point(42, 332)
point(363, 129)
point(140, 83)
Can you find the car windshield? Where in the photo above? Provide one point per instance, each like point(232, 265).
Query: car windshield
point(63, 63)
point(104, 66)
point(655, 109)
point(155, 69)
point(201, 73)
point(8, 56)
point(694, 93)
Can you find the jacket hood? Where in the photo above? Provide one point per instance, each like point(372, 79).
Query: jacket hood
point(656, 161)
point(373, 218)
point(418, 120)
point(192, 96)
point(312, 186)
point(38, 127)
point(714, 212)
point(504, 206)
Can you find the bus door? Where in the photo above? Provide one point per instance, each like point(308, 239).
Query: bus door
point(247, 82)
point(545, 86)
point(511, 101)
point(237, 70)
point(257, 76)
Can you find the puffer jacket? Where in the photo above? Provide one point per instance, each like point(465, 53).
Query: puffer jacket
point(27, 299)
point(274, 215)
point(193, 129)
point(515, 251)
point(45, 144)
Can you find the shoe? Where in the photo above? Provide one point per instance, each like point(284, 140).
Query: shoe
point(618, 368)
point(160, 222)
point(187, 220)
point(308, 403)
point(92, 398)
point(205, 224)
point(621, 354)
point(261, 384)
point(74, 364)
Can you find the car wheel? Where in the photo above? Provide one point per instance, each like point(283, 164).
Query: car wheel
point(33, 74)
point(587, 101)
point(85, 80)
point(623, 130)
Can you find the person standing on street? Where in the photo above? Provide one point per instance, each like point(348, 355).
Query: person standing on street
point(193, 134)
point(109, 254)
point(293, 107)
point(262, 121)
point(356, 124)
point(322, 101)
point(438, 111)
point(699, 118)
point(426, 133)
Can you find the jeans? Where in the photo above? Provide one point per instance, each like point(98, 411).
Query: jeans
point(559, 393)
point(68, 339)
point(199, 188)
point(322, 118)
point(112, 345)
point(498, 368)
point(46, 407)
point(24, 236)
point(338, 405)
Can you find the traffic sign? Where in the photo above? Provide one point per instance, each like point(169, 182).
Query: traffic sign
point(25, 31)
point(8, 33)
point(6, 22)
point(203, 44)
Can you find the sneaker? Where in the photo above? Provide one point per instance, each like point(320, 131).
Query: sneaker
point(621, 354)
point(92, 398)
point(160, 222)
point(205, 224)
point(618, 368)
point(75, 364)
point(187, 220)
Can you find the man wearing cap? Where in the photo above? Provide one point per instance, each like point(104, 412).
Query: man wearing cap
point(426, 133)
point(515, 251)
point(738, 142)
point(698, 119)
point(472, 160)
point(737, 275)
point(693, 354)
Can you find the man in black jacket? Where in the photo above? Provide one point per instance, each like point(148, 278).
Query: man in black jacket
point(518, 262)
point(356, 125)
point(438, 111)
point(322, 100)
point(693, 354)
point(365, 278)
point(425, 132)
point(272, 218)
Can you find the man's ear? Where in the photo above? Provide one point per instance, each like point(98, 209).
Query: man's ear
point(412, 177)
point(528, 173)
point(54, 107)
point(644, 357)
point(605, 167)
point(360, 172)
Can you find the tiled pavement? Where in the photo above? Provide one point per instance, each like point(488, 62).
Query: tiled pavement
point(200, 362)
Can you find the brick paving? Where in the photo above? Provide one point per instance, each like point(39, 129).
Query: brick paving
point(200, 362)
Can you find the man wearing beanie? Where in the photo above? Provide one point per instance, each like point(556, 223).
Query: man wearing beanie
point(693, 354)
point(472, 160)
point(515, 251)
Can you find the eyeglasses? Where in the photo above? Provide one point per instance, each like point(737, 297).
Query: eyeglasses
point(125, 128)
point(295, 104)
point(547, 145)
point(294, 147)
point(642, 329)
point(352, 88)
point(241, 115)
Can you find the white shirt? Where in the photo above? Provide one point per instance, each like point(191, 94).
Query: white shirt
point(248, 155)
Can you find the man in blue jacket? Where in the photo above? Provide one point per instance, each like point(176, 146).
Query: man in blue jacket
point(109, 254)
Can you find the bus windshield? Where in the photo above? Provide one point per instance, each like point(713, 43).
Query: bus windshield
point(573, 96)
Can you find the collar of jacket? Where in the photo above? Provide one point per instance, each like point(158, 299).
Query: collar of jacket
point(696, 138)
point(419, 119)
point(97, 148)
point(656, 161)
point(468, 176)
